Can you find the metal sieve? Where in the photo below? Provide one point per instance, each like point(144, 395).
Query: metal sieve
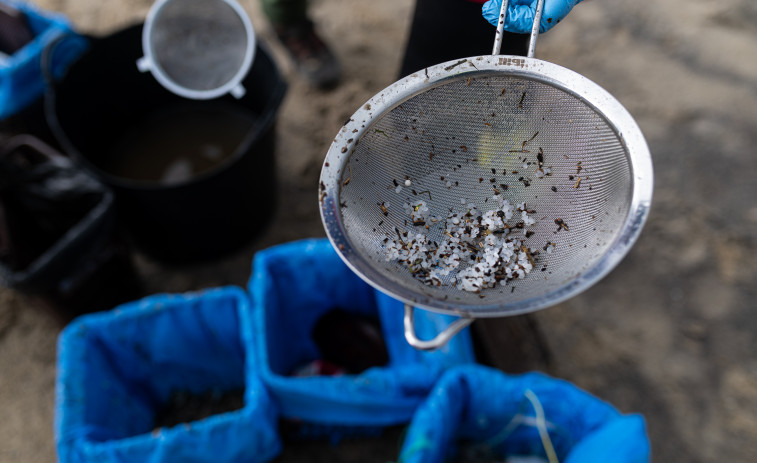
point(455, 132)
point(198, 49)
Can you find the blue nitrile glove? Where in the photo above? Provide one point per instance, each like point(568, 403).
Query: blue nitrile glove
point(520, 14)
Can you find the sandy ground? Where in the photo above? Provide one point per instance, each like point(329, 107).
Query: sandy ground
point(670, 333)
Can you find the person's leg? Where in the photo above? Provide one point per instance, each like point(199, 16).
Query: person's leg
point(443, 30)
point(285, 11)
point(312, 57)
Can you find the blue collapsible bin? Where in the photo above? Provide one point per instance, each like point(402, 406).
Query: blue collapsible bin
point(53, 48)
point(482, 414)
point(117, 371)
point(295, 285)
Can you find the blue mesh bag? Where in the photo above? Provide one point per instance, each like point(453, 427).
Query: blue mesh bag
point(52, 47)
point(481, 414)
point(295, 287)
point(120, 370)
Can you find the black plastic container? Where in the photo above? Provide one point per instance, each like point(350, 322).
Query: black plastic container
point(104, 102)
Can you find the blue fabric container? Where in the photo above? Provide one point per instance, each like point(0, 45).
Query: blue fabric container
point(484, 413)
point(118, 369)
point(295, 284)
point(22, 78)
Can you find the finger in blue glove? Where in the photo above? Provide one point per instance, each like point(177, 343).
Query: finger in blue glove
point(520, 14)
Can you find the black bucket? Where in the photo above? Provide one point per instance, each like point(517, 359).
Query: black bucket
point(179, 199)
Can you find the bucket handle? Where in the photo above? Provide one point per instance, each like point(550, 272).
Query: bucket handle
point(17, 141)
point(46, 57)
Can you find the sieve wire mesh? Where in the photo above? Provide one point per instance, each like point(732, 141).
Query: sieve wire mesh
point(471, 134)
point(199, 44)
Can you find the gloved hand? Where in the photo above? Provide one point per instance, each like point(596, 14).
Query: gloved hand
point(520, 14)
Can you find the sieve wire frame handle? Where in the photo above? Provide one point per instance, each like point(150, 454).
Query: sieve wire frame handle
point(440, 339)
point(458, 325)
point(534, 28)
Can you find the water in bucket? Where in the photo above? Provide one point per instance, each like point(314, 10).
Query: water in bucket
point(180, 143)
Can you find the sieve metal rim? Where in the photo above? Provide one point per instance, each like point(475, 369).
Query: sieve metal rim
point(557, 76)
point(233, 86)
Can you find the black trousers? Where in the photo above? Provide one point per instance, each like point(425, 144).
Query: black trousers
point(444, 30)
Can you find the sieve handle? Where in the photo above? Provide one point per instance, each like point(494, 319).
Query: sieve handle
point(534, 28)
point(440, 339)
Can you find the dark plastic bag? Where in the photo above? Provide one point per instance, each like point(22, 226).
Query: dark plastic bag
point(293, 287)
point(481, 413)
point(120, 371)
point(58, 231)
point(43, 198)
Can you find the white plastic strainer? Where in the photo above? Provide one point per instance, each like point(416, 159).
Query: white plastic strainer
point(198, 49)
point(460, 131)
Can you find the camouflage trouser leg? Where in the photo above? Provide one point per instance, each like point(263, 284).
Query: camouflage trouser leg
point(285, 11)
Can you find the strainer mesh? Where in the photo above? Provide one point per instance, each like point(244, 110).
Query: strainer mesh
point(464, 137)
point(199, 44)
